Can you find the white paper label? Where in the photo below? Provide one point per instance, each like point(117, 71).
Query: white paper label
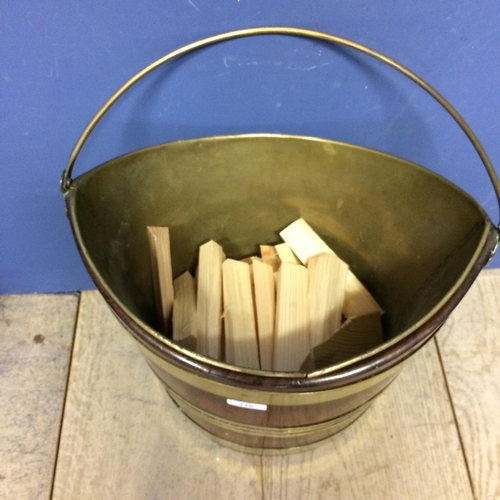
point(244, 404)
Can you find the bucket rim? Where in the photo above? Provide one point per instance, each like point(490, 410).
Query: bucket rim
point(370, 363)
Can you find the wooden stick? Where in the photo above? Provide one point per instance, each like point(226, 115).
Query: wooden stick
point(285, 254)
point(209, 300)
point(270, 256)
point(184, 309)
point(161, 267)
point(239, 322)
point(358, 300)
point(303, 240)
point(305, 243)
point(355, 337)
point(265, 303)
point(327, 277)
point(291, 337)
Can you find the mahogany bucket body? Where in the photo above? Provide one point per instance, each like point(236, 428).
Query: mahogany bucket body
point(413, 238)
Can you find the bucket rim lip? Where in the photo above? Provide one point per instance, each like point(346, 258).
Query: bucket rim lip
point(361, 367)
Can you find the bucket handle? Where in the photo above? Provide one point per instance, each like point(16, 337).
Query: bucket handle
point(65, 182)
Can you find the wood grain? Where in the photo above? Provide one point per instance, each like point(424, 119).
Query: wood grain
point(124, 438)
point(326, 287)
point(470, 349)
point(265, 303)
point(303, 240)
point(358, 300)
point(161, 268)
point(36, 334)
point(209, 300)
point(184, 307)
point(291, 333)
point(355, 337)
point(240, 331)
point(405, 447)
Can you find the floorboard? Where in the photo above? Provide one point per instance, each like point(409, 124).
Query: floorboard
point(405, 446)
point(470, 349)
point(36, 334)
point(124, 438)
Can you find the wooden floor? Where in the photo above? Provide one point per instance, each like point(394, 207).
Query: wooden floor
point(83, 417)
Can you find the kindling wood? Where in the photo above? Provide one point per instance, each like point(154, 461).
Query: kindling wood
point(209, 299)
point(265, 304)
point(159, 245)
point(239, 322)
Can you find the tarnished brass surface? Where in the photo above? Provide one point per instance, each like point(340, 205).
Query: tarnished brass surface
point(416, 240)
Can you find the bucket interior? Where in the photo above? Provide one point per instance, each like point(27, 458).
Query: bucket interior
point(407, 233)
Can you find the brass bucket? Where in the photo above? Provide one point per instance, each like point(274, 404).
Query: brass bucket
point(416, 240)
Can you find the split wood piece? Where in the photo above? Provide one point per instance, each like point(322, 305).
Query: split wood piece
point(285, 254)
point(355, 337)
point(209, 300)
point(270, 256)
point(358, 300)
point(184, 309)
point(327, 277)
point(161, 266)
point(291, 335)
point(265, 303)
point(305, 243)
point(303, 240)
point(239, 322)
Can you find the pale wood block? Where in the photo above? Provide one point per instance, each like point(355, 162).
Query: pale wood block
point(161, 268)
point(303, 240)
point(405, 446)
point(270, 256)
point(305, 243)
point(470, 348)
point(327, 277)
point(239, 320)
point(356, 336)
point(291, 334)
point(358, 300)
point(124, 438)
point(36, 335)
point(285, 254)
point(265, 304)
point(184, 308)
point(209, 299)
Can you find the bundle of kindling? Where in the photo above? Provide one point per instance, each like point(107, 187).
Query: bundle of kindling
point(296, 307)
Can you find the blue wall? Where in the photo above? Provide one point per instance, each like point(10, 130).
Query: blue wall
point(61, 60)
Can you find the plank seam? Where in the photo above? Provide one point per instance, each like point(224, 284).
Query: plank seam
point(455, 419)
point(262, 492)
point(63, 409)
